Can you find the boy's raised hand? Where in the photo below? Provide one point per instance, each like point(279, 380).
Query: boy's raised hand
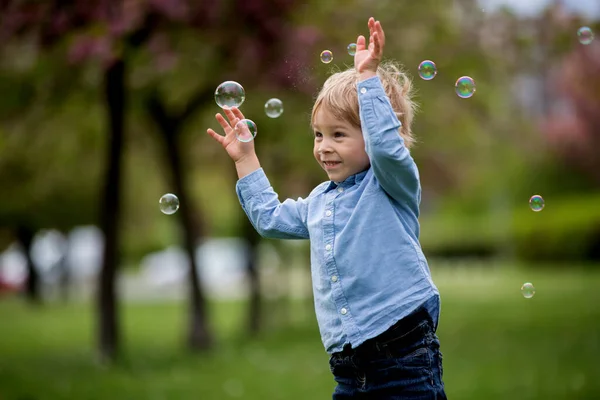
point(236, 149)
point(367, 58)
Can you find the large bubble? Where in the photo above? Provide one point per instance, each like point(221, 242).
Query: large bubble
point(245, 130)
point(273, 108)
point(230, 94)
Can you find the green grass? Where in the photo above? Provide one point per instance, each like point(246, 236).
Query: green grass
point(496, 345)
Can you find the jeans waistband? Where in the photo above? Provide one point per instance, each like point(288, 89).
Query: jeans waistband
point(406, 330)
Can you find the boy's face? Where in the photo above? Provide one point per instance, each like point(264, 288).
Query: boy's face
point(339, 146)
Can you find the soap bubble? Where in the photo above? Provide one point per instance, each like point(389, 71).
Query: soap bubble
point(352, 49)
point(465, 87)
point(427, 70)
point(273, 108)
point(585, 35)
point(528, 290)
point(230, 94)
point(536, 203)
point(169, 204)
point(326, 56)
point(245, 130)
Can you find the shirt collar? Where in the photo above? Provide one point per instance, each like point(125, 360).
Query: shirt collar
point(349, 181)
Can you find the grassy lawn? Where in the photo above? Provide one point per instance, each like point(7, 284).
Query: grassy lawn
point(496, 345)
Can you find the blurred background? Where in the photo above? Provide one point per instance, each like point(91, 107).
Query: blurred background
point(104, 109)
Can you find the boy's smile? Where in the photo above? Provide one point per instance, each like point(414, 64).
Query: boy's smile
point(339, 146)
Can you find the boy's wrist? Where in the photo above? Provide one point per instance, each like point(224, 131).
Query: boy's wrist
point(247, 165)
point(364, 75)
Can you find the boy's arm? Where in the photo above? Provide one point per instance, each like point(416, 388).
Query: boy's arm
point(271, 218)
point(392, 164)
point(391, 161)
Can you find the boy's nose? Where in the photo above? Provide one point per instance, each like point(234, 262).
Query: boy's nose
point(324, 149)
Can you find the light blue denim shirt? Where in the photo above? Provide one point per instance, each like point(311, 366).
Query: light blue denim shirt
point(368, 269)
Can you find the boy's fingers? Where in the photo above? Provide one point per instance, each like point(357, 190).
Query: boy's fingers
point(379, 30)
point(230, 115)
point(376, 44)
point(360, 43)
point(238, 113)
point(222, 122)
point(215, 135)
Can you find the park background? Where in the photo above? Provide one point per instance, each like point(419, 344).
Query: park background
point(104, 109)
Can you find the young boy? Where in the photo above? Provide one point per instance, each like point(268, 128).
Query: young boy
point(376, 305)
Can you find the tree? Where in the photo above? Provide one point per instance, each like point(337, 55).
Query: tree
point(112, 33)
point(37, 156)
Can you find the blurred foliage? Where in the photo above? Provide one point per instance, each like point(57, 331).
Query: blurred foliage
point(480, 159)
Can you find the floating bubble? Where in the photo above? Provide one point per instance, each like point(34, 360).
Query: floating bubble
point(536, 203)
point(169, 204)
point(352, 49)
point(326, 56)
point(427, 70)
point(245, 130)
point(465, 87)
point(230, 94)
point(585, 35)
point(527, 290)
point(273, 108)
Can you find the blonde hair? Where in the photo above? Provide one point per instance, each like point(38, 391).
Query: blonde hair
point(339, 94)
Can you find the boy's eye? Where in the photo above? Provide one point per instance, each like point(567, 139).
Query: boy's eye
point(318, 134)
point(338, 134)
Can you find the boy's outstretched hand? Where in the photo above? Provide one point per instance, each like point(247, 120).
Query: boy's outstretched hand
point(236, 149)
point(367, 59)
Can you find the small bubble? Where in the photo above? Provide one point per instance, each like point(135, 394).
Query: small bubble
point(273, 108)
point(537, 203)
point(352, 49)
point(427, 70)
point(169, 204)
point(585, 35)
point(326, 56)
point(465, 87)
point(527, 290)
point(230, 94)
point(245, 130)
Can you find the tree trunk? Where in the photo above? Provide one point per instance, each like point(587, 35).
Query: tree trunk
point(199, 335)
point(252, 238)
point(64, 278)
point(32, 285)
point(114, 86)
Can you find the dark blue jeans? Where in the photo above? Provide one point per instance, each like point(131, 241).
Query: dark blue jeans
point(404, 362)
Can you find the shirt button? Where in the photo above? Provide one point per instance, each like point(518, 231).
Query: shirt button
point(328, 247)
point(363, 90)
point(328, 213)
point(340, 189)
point(334, 278)
point(343, 311)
